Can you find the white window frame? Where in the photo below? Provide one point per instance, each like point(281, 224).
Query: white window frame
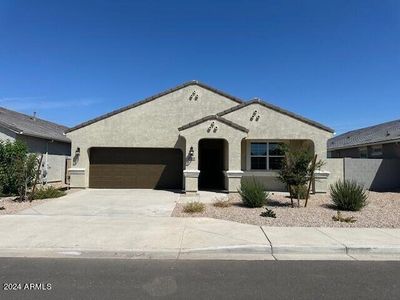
point(267, 156)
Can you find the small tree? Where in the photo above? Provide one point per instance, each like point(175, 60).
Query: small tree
point(297, 169)
point(11, 155)
point(26, 172)
point(17, 168)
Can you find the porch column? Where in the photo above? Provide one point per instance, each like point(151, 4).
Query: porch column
point(191, 173)
point(191, 180)
point(233, 176)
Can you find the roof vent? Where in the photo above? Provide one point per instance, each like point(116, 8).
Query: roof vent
point(387, 133)
point(34, 116)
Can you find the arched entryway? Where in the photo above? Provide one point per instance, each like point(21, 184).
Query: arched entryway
point(213, 161)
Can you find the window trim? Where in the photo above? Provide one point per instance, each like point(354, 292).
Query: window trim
point(380, 147)
point(267, 156)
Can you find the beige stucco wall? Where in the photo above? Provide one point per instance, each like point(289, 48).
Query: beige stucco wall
point(153, 124)
point(156, 123)
point(232, 135)
point(274, 126)
point(336, 168)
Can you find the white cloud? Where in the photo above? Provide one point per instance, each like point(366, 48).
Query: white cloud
point(41, 103)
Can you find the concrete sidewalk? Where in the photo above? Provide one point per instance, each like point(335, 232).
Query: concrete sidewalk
point(187, 238)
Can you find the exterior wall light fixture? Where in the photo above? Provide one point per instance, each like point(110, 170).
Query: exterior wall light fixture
point(191, 152)
point(78, 151)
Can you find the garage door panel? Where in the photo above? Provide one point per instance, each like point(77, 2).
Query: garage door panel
point(136, 168)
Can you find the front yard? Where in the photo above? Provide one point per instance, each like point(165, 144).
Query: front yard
point(382, 210)
point(11, 205)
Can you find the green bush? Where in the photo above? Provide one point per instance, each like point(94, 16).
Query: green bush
point(348, 195)
point(17, 168)
point(48, 192)
point(301, 190)
point(194, 207)
point(252, 193)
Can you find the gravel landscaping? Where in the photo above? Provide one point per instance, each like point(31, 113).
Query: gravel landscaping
point(383, 210)
point(9, 205)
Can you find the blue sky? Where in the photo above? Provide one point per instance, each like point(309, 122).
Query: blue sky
point(337, 62)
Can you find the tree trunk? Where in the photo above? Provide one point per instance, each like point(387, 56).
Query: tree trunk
point(36, 179)
point(291, 195)
point(311, 179)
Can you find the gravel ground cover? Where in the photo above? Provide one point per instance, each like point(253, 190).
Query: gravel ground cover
point(383, 210)
point(9, 205)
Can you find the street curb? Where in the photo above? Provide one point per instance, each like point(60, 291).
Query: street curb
point(242, 252)
point(305, 249)
point(368, 249)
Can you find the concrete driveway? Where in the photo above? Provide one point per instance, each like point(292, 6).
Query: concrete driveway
point(109, 202)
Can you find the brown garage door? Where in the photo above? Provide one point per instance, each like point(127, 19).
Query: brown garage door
point(150, 168)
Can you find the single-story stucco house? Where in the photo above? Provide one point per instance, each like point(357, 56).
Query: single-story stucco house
point(41, 137)
point(188, 138)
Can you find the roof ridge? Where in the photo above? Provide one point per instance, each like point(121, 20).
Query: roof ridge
point(367, 127)
point(23, 124)
point(31, 117)
point(278, 109)
point(151, 98)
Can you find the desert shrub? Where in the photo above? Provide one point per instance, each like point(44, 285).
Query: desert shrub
point(348, 195)
point(48, 192)
point(297, 170)
point(253, 193)
point(339, 218)
point(268, 213)
point(194, 207)
point(299, 191)
point(222, 202)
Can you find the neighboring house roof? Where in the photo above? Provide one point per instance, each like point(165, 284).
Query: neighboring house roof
point(193, 82)
point(278, 109)
point(32, 126)
point(214, 117)
point(381, 133)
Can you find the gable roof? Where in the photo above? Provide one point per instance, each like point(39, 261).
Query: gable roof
point(31, 126)
point(217, 118)
point(381, 133)
point(189, 83)
point(278, 109)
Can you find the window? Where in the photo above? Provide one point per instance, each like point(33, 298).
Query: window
point(376, 151)
point(363, 152)
point(266, 156)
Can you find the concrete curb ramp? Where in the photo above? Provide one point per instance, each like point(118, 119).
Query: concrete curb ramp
point(143, 237)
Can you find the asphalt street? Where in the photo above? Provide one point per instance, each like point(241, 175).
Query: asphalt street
point(34, 278)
